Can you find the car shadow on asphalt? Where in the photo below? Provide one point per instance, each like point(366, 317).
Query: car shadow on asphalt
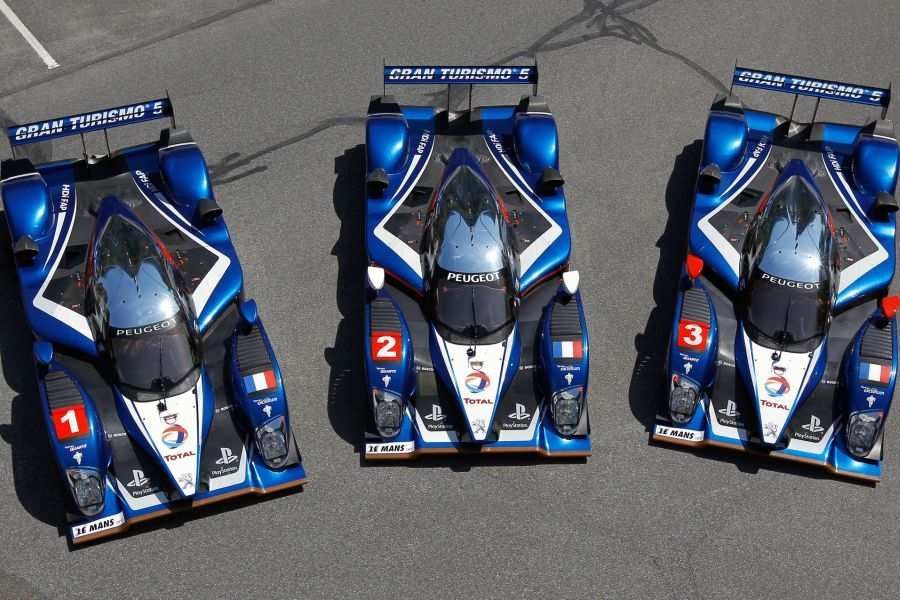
point(647, 377)
point(35, 477)
point(346, 382)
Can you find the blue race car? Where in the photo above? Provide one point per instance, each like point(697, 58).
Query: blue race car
point(785, 339)
point(157, 380)
point(474, 331)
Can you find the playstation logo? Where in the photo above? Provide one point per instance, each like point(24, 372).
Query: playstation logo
point(730, 410)
point(138, 479)
point(228, 457)
point(437, 414)
point(814, 425)
point(520, 413)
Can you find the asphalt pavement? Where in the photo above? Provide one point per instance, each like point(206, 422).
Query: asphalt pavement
point(275, 92)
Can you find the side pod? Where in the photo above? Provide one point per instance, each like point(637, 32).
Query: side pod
point(870, 374)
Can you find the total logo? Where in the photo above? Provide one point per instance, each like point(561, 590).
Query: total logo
point(174, 436)
point(227, 458)
point(180, 455)
point(814, 425)
point(770, 404)
point(477, 381)
point(478, 400)
point(137, 479)
point(520, 414)
point(777, 386)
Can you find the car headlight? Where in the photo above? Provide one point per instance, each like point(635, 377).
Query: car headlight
point(388, 412)
point(87, 490)
point(565, 406)
point(271, 439)
point(862, 431)
point(683, 399)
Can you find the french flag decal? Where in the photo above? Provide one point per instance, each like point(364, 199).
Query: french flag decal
point(259, 382)
point(880, 374)
point(567, 349)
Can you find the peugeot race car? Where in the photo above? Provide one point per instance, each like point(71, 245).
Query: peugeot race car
point(475, 332)
point(785, 339)
point(157, 380)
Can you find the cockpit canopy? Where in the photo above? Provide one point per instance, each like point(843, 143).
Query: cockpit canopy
point(140, 310)
point(789, 275)
point(472, 281)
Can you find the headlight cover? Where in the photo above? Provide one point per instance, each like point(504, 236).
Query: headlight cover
point(683, 398)
point(388, 412)
point(862, 432)
point(271, 439)
point(565, 406)
point(87, 490)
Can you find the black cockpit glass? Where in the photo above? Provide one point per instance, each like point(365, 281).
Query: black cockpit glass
point(473, 308)
point(787, 294)
point(467, 195)
point(156, 360)
point(784, 314)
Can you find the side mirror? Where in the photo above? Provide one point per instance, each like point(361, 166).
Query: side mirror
point(570, 282)
point(889, 306)
point(375, 277)
point(249, 312)
point(43, 352)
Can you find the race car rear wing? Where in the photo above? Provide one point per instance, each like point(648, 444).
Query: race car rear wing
point(470, 75)
point(129, 114)
point(807, 86)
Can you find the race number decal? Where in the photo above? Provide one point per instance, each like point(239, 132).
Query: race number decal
point(70, 422)
point(386, 346)
point(692, 335)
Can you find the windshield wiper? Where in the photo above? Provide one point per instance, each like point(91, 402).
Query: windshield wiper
point(471, 350)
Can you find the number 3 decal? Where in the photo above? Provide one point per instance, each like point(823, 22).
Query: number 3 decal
point(692, 335)
point(386, 346)
point(70, 422)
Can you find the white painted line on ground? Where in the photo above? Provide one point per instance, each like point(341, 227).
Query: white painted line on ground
point(29, 37)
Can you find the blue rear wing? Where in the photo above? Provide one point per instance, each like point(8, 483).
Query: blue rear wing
point(807, 86)
point(129, 114)
point(459, 75)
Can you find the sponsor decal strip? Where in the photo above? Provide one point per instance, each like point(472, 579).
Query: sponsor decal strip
point(28, 133)
point(203, 291)
point(68, 316)
point(413, 174)
point(427, 74)
point(681, 435)
point(103, 524)
point(391, 448)
point(850, 274)
point(807, 86)
point(538, 246)
point(747, 174)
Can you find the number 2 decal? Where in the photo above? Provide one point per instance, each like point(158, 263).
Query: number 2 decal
point(692, 335)
point(386, 346)
point(70, 422)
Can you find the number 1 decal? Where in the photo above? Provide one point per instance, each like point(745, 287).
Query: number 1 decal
point(70, 422)
point(386, 346)
point(692, 335)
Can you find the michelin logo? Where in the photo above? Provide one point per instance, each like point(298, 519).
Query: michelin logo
point(459, 74)
point(88, 121)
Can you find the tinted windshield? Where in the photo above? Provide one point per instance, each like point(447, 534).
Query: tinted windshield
point(787, 293)
point(473, 307)
point(468, 225)
point(155, 360)
point(785, 314)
